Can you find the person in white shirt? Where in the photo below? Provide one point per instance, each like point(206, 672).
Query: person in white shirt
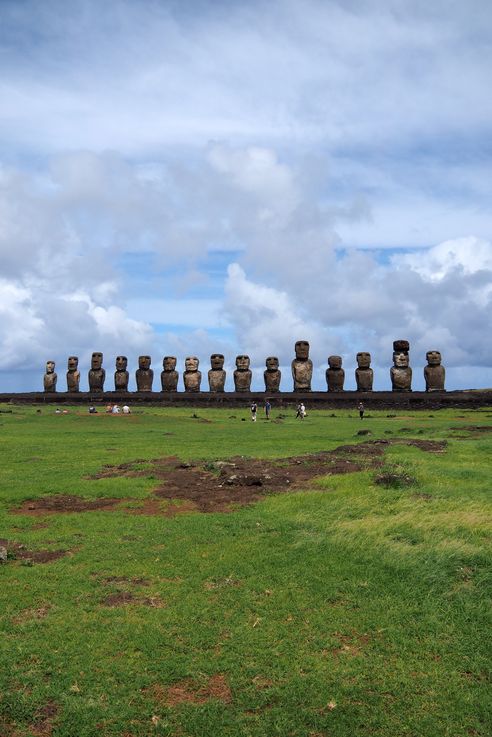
point(126, 409)
point(115, 410)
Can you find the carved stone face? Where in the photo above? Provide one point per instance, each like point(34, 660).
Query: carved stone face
point(242, 363)
point(272, 363)
point(363, 360)
point(302, 350)
point(50, 367)
point(191, 363)
point(73, 363)
point(169, 363)
point(433, 358)
point(335, 362)
point(96, 360)
point(217, 361)
point(121, 363)
point(400, 360)
point(144, 362)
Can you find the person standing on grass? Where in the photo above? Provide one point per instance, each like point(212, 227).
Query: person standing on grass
point(253, 411)
point(301, 411)
point(361, 409)
point(268, 408)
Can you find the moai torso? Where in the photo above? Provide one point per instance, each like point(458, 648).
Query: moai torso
point(169, 377)
point(401, 373)
point(121, 375)
point(272, 375)
point(192, 377)
point(96, 373)
point(144, 374)
point(242, 374)
point(363, 373)
point(216, 375)
point(302, 367)
point(434, 373)
point(335, 375)
point(49, 380)
point(73, 374)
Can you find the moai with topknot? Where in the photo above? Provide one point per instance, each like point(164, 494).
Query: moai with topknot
point(400, 372)
point(216, 374)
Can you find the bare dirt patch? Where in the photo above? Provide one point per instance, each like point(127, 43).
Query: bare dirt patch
point(64, 504)
point(18, 551)
point(188, 692)
point(43, 721)
point(473, 429)
point(30, 614)
point(123, 598)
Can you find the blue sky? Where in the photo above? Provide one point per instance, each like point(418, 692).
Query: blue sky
point(187, 178)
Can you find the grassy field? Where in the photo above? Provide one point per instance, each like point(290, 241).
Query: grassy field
point(357, 604)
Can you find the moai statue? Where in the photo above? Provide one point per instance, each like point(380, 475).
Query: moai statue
point(216, 375)
point(192, 377)
point(401, 373)
point(242, 374)
point(73, 374)
point(363, 373)
point(335, 375)
point(434, 373)
point(96, 373)
point(169, 377)
point(121, 375)
point(50, 377)
point(272, 375)
point(302, 367)
point(144, 374)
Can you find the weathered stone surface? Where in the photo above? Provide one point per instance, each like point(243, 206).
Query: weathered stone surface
point(73, 374)
point(216, 375)
point(192, 376)
point(3, 554)
point(50, 377)
point(434, 373)
point(97, 374)
point(144, 375)
point(401, 373)
point(242, 374)
point(121, 375)
point(335, 375)
point(401, 346)
point(272, 375)
point(169, 377)
point(302, 367)
point(364, 374)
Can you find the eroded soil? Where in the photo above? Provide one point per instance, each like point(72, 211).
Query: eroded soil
point(18, 551)
point(222, 485)
point(188, 692)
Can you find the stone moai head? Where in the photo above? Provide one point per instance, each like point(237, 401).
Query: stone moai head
point(191, 363)
point(272, 363)
point(302, 350)
point(242, 363)
point(363, 360)
point(217, 361)
point(401, 360)
point(169, 363)
point(121, 363)
point(433, 358)
point(335, 362)
point(144, 362)
point(50, 367)
point(96, 360)
point(73, 363)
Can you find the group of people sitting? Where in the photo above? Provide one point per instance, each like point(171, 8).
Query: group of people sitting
point(112, 409)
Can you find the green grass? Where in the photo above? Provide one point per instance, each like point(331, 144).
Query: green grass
point(346, 609)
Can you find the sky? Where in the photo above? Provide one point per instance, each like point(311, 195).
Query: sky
point(185, 178)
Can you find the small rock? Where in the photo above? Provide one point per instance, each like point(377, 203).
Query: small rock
point(364, 432)
point(3, 554)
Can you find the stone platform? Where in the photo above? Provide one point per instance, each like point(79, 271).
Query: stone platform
point(466, 399)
